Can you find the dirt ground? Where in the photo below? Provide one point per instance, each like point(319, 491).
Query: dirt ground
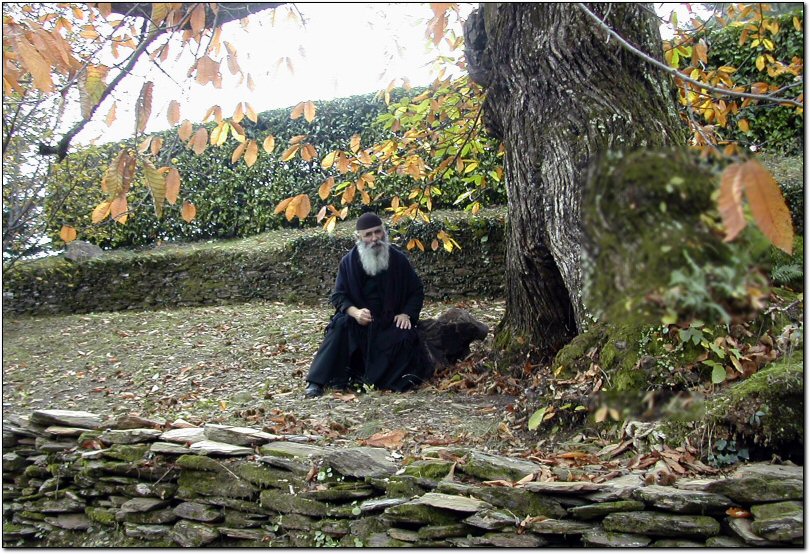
point(245, 364)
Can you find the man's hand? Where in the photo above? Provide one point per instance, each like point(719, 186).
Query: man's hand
point(403, 321)
point(363, 317)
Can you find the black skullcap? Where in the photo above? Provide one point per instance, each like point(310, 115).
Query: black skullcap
point(367, 221)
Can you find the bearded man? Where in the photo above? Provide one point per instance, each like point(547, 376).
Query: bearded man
point(372, 336)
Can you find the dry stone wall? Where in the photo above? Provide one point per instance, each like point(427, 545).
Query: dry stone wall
point(75, 479)
point(300, 266)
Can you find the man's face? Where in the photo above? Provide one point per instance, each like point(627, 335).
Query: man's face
point(372, 237)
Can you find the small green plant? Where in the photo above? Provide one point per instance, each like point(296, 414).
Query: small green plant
point(726, 453)
point(756, 418)
point(324, 541)
point(325, 474)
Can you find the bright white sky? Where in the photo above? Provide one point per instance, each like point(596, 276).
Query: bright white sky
point(343, 50)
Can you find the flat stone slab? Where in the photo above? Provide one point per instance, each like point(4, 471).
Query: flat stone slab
point(134, 422)
point(770, 471)
point(192, 535)
point(676, 543)
point(62, 506)
point(508, 540)
point(742, 529)
point(129, 436)
point(361, 462)
point(603, 539)
point(289, 464)
point(138, 505)
point(288, 449)
point(491, 467)
point(60, 431)
point(593, 511)
point(168, 448)
point(515, 500)
point(287, 503)
point(146, 532)
point(661, 525)
point(563, 487)
point(244, 534)
point(184, 435)
point(219, 448)
point(492, 520)
point(758, 489)
point(66, 418)
point(197, 512)
point(434, 532)
point(561, 527)
point(781, 522)
point(240, 436)
point(721, 541)
point(402, 534)
point(452, 502)
point(620, 488)
point(73, 522)
point(377, 505)
point(682, 501)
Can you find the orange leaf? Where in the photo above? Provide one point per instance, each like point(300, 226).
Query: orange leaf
point(308, 153)
point(298, 111)
point(768, 207)
point(251, 153)
point(172, 185)
point(251, 113)
point(326, 188)
point(282, 206)
point(391, 439)
point(239, 112)
point(197, 19)
point(289, 153)
point(729, 203)
point(118, 209)
point(111, 115)
point(309, 111)
point(269, 144)
point(200, 141)
point(237, 153)
point(143, 107)
point(303, 207)
point(321, 214)
point(67, 234)
point(738, 513)
point(173, 113)
point(354, 143)
point(188, 212)
point(185, 130)
point(157, 144)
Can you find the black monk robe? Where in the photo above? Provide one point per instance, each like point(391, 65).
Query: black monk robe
point(378, 354)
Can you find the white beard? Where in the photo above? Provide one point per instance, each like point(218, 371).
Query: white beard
point(374, 260)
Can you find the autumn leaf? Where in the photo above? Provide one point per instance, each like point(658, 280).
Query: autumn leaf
point(188, 211)
point(238, 151)
point(768, 206)
point(729, 203)
point(197, 20)
point(144, 145)
point(269, 144)
point(298, 111)
point(290, 152)
point(199, 141)
point(185, 130)
point(391, 439)
point(282, 206)
point(251, 153)
point(239, 112)
point(308, 153)
point(299, 207)
point(738, 513)
point(67, 234)
point(172, 185)
point(329, 159)
point(92, 87)
point(118, 209)
point(326, 188)
point(33, 61)
point(354, 143)
point(157, 144)
point(157, 184)
point(111, 115)
point(251, 113)
point(309, 111)
point(100, 212)
point(143, 106)
point(173, 113)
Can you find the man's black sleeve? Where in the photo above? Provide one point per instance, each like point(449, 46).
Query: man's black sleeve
point(340, 297)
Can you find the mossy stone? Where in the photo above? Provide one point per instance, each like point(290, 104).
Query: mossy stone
point(199, 463)
point(127, 452)
point(288, 503)
point(430, 469)
point(263, 476)
point(422, 514)
point(214, 484)
point(101, 515)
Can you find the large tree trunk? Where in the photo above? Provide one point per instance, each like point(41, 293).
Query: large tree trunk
point(559, 96)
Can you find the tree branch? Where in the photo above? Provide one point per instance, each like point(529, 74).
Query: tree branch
point(226, 12)
point(674, 72)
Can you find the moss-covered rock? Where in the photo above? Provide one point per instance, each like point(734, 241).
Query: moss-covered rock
point(205, 483)
point(287, 503)
point(430, 469)
point(101, 515)
point(263, 476)
point(126, 452)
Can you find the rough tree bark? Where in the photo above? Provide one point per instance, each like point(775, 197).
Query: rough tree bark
point(559, 95)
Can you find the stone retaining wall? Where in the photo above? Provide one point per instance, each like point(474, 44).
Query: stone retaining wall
point(137, 482)
point(283, 266)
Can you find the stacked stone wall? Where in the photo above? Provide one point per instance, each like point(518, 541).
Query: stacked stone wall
point(73, 479)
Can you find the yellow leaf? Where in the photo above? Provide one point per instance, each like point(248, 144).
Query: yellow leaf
point(797, 24)
point(760, 63)
point(111, 115)
point(309, 111)
point(330, 224)
point(329, 159)
point(768, 207)
point(118, 209)
point(173, 113)
point(743, 125)
point(298, 111)
point(289, 153)
point(237, 153)
point(100, 212)
point(326, 188)
point(92, 87)
point(237, 131)
point(172, 185)
point(269, 144)
point(220, 134)
point(188, 212)
point(185, 130)
point(354, 143)
point(251, 113)
point(157, 184)
point(601, 414)
point(144, 145)
point(348, 195)
point(727, 69)
point(251, 153)
point(199, 141)
point(282, 206)
point(238, 113)
point(303, 207)
point(33, 61)
point(159, 12)
point(321, 214)
point(308, 153)
point(67, 234)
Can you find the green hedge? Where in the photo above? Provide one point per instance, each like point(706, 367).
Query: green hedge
point(773, 128)
point(232, 200)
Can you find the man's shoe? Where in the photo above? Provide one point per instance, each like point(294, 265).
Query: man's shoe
point(314, 390)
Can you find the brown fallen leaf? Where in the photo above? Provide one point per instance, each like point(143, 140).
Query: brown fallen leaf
point(738, 513)
point(391, 439)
